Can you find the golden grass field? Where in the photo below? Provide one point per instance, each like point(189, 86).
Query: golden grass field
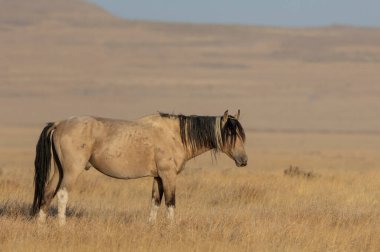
point(219, 207)
point(309, 98)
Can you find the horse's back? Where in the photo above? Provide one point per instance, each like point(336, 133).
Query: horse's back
point(89, 126)
point(88, 132)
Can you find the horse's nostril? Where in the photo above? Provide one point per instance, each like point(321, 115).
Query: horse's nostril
point(243, 163)
point(240, 162)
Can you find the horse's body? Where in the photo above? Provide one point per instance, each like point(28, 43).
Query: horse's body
point(154, 146)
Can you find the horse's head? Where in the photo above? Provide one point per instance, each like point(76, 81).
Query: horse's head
point(233, 138)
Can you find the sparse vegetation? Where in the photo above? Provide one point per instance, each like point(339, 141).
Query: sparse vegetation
point(295, 171)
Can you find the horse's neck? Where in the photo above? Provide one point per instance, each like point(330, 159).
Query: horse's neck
point(192, 154)
point(174, 125)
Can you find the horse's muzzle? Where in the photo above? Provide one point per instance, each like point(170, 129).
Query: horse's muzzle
point(241, 162)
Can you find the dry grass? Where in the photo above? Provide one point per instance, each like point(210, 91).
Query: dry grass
point(295, 171)
point(220, 207)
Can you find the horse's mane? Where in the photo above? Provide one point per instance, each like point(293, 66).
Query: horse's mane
point(207, 132)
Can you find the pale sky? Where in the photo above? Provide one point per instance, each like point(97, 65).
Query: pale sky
point(260, 12)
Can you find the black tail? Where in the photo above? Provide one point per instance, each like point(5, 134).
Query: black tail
point(42, 166)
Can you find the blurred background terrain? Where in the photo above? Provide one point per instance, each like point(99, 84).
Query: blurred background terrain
point(60, 58)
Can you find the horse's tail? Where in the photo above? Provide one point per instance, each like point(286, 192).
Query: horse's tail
point(42, 166)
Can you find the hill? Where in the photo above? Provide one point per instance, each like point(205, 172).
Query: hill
point(71, 12)
point(73, 57)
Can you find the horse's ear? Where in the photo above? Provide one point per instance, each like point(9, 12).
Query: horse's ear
point(225, 117)
point(237, 115)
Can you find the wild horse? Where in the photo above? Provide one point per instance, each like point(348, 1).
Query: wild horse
point(155, 146)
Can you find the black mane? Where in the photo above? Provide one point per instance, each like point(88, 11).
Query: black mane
point(201, 132)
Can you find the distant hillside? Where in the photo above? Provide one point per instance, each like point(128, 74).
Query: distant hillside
point(35, 12)
point(78, 58)
point(314, 44)
point(336, 43)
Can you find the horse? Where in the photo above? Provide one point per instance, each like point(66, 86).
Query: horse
point(155, 146)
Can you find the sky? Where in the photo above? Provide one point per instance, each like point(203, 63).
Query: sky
point(295, 13)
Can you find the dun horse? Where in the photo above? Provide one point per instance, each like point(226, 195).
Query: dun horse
point(155, 146)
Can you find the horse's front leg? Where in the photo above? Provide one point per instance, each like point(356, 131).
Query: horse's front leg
point(167, 171)
point(157, 192)
point(169, 182)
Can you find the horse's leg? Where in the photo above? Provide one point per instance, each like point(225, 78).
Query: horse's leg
point(63, 192)
point(63, 197)
point(167, 170)
point(157, 192)
point(73, 163)
point(48, 196)
point(69, 178)
point(169, 180)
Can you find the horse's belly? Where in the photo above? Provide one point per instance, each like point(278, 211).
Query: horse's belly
point(122, 166)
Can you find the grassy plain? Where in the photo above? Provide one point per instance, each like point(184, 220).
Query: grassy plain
point(219, 207)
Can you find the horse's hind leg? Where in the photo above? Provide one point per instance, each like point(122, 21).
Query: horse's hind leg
point(63, 197)
point(68, 181)
point(73, 145)
point(73, 163)
point(157, 192)
point(48, 196)
point(67, 184)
